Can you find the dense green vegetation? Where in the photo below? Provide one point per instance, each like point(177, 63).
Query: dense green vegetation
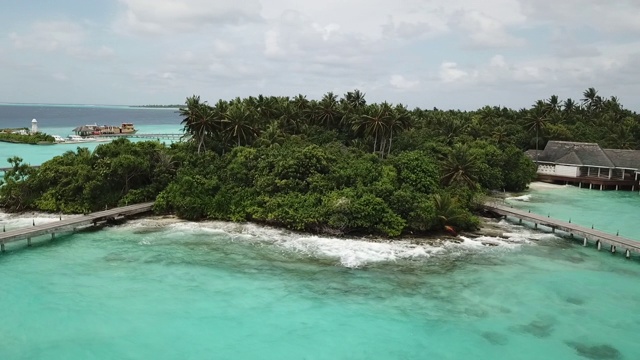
point(334, 165)
point(13, 136)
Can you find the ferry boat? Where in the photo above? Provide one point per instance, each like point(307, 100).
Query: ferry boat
point(97, 130)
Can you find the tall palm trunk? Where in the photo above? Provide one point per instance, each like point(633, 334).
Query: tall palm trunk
point(537, 139)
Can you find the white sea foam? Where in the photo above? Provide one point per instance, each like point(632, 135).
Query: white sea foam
point(351, 253)
point(546, 186)
point(14, 221)
point(525, 198)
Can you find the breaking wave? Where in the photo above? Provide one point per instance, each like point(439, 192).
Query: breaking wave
point(10, 221)
point(525, 198)
point(350, 253)
point(347, 252)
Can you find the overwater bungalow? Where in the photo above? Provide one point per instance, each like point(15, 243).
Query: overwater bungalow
point(89, 130)
point(587, 165)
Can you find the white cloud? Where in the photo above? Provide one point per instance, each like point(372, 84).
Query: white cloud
point(60, 76)
point(64, 36)
point(486, 31)
point(450, 72)
point(388, 49)
point(619, 16)
point(401, 83)
point(170, 16)
point(50, 36)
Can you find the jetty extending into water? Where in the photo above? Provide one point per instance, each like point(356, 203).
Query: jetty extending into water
point(586, 234)
point(5, 169)
point(175, 137)
point(72, 223)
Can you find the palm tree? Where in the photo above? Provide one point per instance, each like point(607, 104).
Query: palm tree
point(537, 120)
point(198, 121)
point(326, 111)
point(553, 103)
point(373, 123)
point(461, 166)
point(239, 123)
point(355, 99)
point(447, 209)
point(591, 101)
point(499, 134)
point(398, 121)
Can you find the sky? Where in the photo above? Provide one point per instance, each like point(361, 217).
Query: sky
point(449, 54)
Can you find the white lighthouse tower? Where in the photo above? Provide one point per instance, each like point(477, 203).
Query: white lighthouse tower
point(34, 126)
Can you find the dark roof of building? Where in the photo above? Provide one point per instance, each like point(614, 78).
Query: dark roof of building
point(83, 128)
point(531, 154)
point(629, 159)
point(571, 158)
point(587, 154)
point(574, 153)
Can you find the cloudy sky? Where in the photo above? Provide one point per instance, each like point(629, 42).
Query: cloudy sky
point(427, 53)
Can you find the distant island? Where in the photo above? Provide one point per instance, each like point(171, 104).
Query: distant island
point(159, 106)
point(23, 136)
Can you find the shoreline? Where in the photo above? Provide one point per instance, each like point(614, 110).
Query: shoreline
point(488, 228)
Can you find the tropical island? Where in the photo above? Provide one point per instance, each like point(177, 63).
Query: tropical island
point(24, 136)
point(337, 165)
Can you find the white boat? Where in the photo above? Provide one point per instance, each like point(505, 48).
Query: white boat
point(58, 138)
point(75, 138)
point(80, 139)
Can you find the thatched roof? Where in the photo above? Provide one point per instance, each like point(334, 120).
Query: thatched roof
point(587, 154)
point(628, 159)
point(83, 128)
point(531, 154)
point(574, 153)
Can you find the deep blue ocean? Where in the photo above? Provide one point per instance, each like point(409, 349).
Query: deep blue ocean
point(70, 116)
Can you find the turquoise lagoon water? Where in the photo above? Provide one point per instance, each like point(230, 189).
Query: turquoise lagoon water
point(608, 211)
point(158, 288)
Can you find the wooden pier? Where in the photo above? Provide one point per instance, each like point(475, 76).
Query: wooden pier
point(586, 234)
point(5, 169)
point(71, 223)
point(176, 137)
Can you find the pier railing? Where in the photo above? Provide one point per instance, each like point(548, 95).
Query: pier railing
point(573, 230)
point(71, 223)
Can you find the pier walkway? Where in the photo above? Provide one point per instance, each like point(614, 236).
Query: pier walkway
point(71, 223)
point(176, 137)
point(587, 234)
point(5, 169)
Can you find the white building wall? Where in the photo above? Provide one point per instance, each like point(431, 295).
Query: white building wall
point(547, 169)
point(567, 171)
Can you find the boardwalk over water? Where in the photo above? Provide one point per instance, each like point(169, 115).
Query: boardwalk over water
point(5, 169)
point(587, 234)
point(176, 137)
point(71, 223)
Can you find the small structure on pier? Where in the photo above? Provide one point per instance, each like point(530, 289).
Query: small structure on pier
point(587, 164)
